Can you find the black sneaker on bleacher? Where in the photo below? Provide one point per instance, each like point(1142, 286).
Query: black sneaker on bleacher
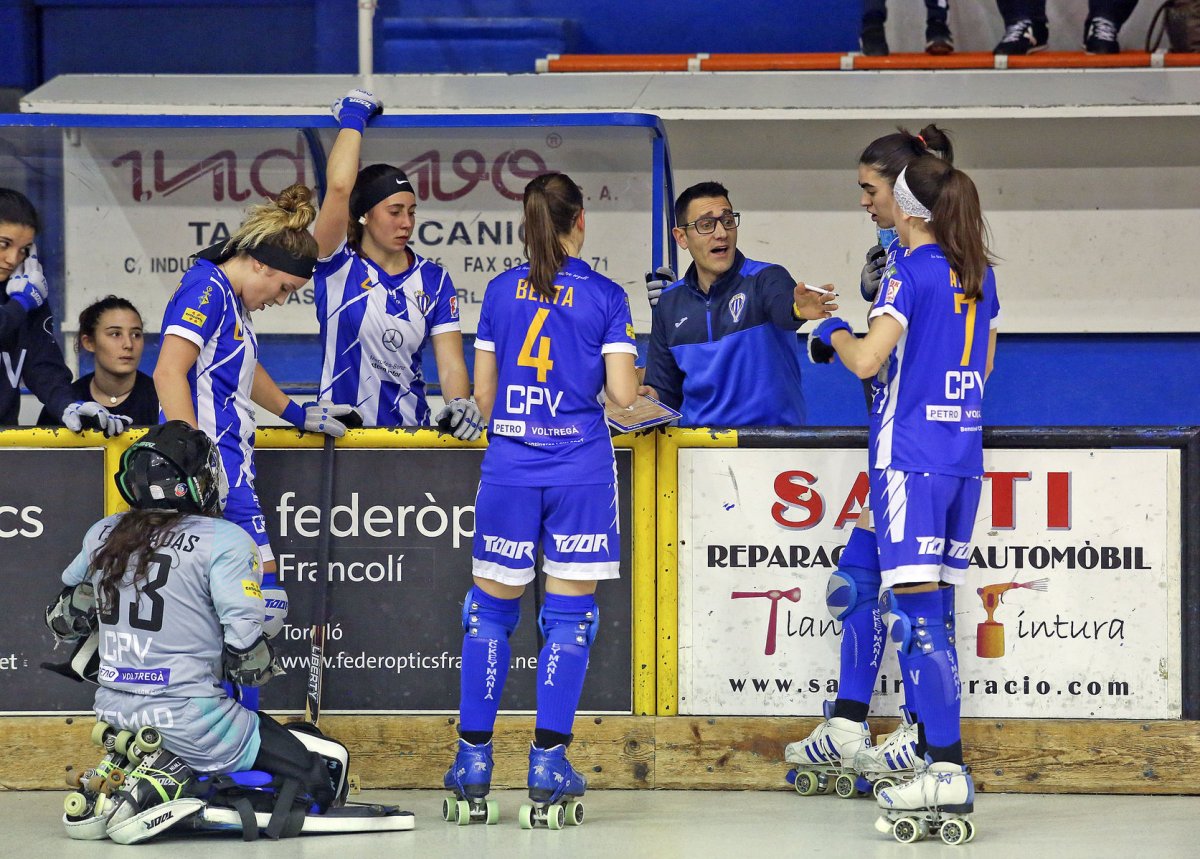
point(1100, 37)
point(938, 39)
point(872, 40)
point(1023, 37)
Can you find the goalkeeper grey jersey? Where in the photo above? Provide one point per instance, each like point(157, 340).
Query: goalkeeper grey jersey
point(202, 590)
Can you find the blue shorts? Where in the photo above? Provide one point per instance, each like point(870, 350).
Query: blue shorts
point(576, 526)
point(923, 525)
point(242, 509)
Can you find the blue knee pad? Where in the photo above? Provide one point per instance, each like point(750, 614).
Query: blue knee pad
point(919, 634)
point(577, 625)
point(851, 590)
point(486, 616)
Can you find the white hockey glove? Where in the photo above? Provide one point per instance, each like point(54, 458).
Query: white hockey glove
point(72, 615)
point(461, 418)
point(356, 108)
point(330, 418)
point(872, 272)
point(27, 285)
point(657, 281)
point(82, 415)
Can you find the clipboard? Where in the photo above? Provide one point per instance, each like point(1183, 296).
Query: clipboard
point(644, 413)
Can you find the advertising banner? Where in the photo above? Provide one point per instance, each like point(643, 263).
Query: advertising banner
point(1071, 608)
point(140, 202)
point(48, 500)
point(402, 525)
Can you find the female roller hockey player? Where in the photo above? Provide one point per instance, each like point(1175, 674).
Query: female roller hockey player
point(27, 345)
point(208, 374)
point(378, 302)
point(933, 335)
point(175, 591)
point(840, 747)
point(552, 335)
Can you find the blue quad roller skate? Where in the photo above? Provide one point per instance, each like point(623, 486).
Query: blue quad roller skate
point(469, 779)
point(554, 788)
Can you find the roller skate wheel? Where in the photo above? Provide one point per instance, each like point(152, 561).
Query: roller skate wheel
point(147, 740)
point(970, 832)
point(556, 817)
point(574, 813)
point(74, 779)
point(525, 816)
point(75, 804)
point(449, 810)
point(493, 813)
point(805, 783)
point(116, 778)
point(462, 812)
point(906, 830)
point(882, 784)
point(121, 743)
point(845, 786)
point(954, 832)
point(98, 731)
point(95, 784)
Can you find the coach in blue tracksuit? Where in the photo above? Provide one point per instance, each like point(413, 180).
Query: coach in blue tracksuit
point(723, 345)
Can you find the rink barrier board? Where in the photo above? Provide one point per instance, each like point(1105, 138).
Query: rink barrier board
point(691, 753)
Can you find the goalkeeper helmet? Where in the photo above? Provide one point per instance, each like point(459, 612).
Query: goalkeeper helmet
point(173, 467)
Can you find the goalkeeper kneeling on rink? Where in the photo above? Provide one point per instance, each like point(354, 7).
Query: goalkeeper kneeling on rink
point(170, 593)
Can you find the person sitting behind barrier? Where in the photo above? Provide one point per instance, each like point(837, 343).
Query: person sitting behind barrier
point(695, 363)
point(872, 39)
point(28, 349)
point(111, 330)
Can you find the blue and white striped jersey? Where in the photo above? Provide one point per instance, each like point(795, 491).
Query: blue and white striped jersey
point(927, 412)
point(547, 428)
point(374, 327)
point(205, 311)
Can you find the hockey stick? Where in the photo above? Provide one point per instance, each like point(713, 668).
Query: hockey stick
point(320, 614)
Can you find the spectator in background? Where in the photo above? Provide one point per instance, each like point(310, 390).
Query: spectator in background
point(873, 40)
point(111, 329)
point(1026, 31)
point(723, 346)
point(28, 350)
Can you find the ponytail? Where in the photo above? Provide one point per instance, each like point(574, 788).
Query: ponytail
point(552, 203)
point(957, 222)
point(890, 154)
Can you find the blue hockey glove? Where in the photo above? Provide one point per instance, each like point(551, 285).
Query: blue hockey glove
point(356, 108)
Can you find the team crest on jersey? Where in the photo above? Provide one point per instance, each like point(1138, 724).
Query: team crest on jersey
point(424, 301)
point(736, 305)
point(206, 295)
point(180, 490)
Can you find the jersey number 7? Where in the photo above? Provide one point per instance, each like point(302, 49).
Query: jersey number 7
point(541, 361)
point(960, 301)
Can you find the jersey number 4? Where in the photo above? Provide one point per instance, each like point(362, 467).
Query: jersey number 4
point(541, 361)
point(158, 568)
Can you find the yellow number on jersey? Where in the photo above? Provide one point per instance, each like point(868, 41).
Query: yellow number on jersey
point(541, 361)
point(969, 334)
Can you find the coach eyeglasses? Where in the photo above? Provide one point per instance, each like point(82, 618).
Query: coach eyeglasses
point(706, 225)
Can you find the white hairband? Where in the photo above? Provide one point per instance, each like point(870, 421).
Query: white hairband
point(907, 200)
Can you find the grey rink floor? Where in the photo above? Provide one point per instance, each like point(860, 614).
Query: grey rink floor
point(669, 824)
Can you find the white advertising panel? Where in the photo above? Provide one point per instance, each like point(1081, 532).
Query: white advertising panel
point(140, 202)
point(1071, 606)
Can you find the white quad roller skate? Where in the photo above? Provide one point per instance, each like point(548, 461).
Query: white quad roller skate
point(156, 792)
point(470, 779)
point(936, 802)
point(87, 807)
point(825, 760)
point(555, 790)
point(893, 759)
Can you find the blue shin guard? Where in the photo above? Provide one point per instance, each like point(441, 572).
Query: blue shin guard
point(853, 598)
point(569, 625)
point(929, 661)
point(488, 622)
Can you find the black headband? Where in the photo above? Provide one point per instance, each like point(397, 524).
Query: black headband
point(379, 189)
point(267, 254)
